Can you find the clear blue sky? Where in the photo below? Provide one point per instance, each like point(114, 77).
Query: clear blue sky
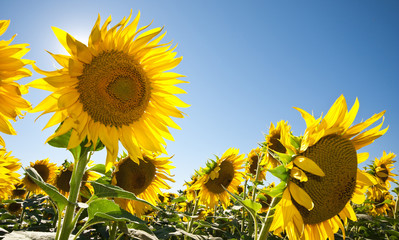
point(248, 64)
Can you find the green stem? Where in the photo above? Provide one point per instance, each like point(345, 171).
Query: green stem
point(59, 214)
point(243, 209)
point(82, 229)
point(395, 211)
point(23, 209)
point(256, 177)
point(268, 219)
point(120, 235)
point(76, 179)
point(190, 224)
point(112, 230)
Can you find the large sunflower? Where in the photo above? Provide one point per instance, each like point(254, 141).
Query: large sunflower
point(11, 69)
point(63, 178)
point(114, 89)
point(382, 169)
point(8, 176)
point(322, 173)
point(47, 172)
point(145, 179)
point(224, 173)
point(380, 201)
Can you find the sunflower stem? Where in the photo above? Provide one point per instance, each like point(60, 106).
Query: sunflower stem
point(256, 177)
point(120, 235)
point(112, 230)
point(268, 219)
point(243, 209)
point(21, 219)
point(190, 224)
point(395, 211)
point(76, 179)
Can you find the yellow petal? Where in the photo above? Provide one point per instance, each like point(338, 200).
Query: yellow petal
point(365, 178)
point(298, 174)
point(308, 165)
point(309, 119)
point(361, 157)
point(300, 196)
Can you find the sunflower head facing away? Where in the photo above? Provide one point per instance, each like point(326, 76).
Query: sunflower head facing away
point(380, 201)
point(47, 172)
point(253, 160)
point(8, 175)
point(273, 144)
point(11, 69)
point(116, 88)
point(145, 180)
point(189, 193)
point(322, 174)
point(19, 191)
point(382, 169)
point(224, 173)
point(63, 178)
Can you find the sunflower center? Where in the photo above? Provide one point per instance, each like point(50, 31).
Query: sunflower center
point(63, 180)
point(114, 89)
point(226, 175)
point(254, 164)
point(43, 171)
point(385, 173)
point(275, 143)
point(336, 156)
point(14, 207)
point(133, 177)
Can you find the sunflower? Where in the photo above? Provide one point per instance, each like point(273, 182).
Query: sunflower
point(47, 172)
point(322, 173)
point(191, 194)
point(11, 69)
point(115, 89)
point(254, 158)
point(265, 199)
point(145, 180)
point(167, 198)
point(8, 176)
point(380, 201)
point(382, 169)
point(19, 191)
point(273, 143)
point(64, 175)
point(224, 173)
point(14, 208)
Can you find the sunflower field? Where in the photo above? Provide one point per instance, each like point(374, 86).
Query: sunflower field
point(118, 91)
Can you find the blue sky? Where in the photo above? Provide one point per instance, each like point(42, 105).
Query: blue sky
point(248, 64)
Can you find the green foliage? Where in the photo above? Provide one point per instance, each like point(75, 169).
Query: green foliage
point(52, 191)
point(63, 140)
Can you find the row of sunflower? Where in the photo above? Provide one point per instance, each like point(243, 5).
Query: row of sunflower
point(118, 89)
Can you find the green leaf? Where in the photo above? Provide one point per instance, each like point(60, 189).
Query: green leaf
point(393, 233)
point(104, 210)
point(111, 191)
point(179, 199)
point(100, 168)
point(251, 206)
point(255, 206)
point(101, 210)
point(280, 172)
point(282, 157)
point(277, 190)
point(52, 191)
point(63, 140)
